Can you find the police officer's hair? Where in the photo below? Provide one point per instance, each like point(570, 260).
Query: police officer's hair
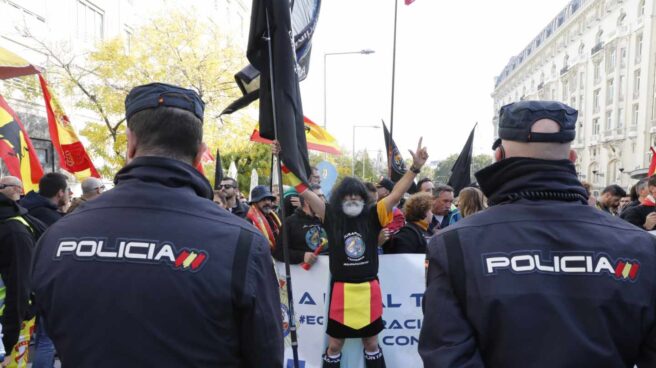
point(167, 131)
point(234, 182)
point(441, 188)
point(51, 183)
point(614, 190)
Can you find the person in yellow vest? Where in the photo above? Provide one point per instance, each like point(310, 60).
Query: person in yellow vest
point(16, 251)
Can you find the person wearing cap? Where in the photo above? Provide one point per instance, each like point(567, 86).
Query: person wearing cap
point(153, 273)
point(91, 188)
point(540, 278)
point(305, 232)
point(263, 215)
point(384, 187)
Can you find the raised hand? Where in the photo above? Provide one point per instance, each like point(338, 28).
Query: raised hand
point(420, 156)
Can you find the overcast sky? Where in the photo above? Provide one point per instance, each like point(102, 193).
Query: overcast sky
point(448, 53)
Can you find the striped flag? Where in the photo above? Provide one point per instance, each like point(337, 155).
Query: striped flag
point(652, 166)
point(356, 305)
point(12, 65)
point(318, 139)
point(72, 155)
point(16, 149)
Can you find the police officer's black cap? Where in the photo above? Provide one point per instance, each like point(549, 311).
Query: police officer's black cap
point(150, 96)
point(261, 192)
point(516, 120)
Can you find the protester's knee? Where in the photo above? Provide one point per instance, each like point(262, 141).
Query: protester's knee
point(370, 343)
point(335, 346)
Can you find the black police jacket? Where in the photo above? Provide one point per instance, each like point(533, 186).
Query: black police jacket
point(539, 279)
point(153, 274)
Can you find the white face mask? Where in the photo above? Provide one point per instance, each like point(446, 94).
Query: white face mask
point(352, 208)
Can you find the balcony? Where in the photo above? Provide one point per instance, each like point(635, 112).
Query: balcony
point(597, 48)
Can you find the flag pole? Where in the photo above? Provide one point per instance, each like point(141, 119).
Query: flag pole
point(285, 243)
point(391, 135)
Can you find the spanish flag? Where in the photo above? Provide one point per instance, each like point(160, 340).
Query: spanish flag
point(318, 139)
point(72, 155)
point(652, 166)
point(356, 305)
point(12, 65)
point(16, 149)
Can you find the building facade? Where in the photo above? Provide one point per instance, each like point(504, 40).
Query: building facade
point(597, 56)
point(78, 26)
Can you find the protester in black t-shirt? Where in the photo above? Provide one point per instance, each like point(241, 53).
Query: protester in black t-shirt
point(305, 234)
point(414, 236)
point(353, 229)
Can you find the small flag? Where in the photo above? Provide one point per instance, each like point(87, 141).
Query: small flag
point(72, 155)
point(408, 2)
point(652, 166)
point(461, 170)
point(16, 149)
point(395, 164)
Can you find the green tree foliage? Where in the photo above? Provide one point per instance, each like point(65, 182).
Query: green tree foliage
point(182, 49)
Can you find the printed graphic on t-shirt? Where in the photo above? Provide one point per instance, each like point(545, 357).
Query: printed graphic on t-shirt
point(314, 236)
point(354, 246)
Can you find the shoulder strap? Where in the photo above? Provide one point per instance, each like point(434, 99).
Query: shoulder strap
point(456, 267)
point(22, 221)
point(240, 265)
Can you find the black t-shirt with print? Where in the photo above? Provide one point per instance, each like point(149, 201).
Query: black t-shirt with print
point(353, 243)
point(304, 233)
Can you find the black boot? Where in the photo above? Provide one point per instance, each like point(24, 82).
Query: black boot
point(374, 361)
point(329, 362)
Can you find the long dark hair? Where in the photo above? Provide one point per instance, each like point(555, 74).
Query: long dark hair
point(348, 186)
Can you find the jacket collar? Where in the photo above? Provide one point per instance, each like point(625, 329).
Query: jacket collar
point(165, 171)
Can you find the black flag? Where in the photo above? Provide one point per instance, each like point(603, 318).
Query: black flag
point(461, 170)
point(395, 164)
point(218, 173)
point(287, 93)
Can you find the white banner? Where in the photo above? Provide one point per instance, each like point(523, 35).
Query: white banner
point(402, 281)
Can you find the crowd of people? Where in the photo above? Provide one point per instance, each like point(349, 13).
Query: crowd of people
point(164, 270)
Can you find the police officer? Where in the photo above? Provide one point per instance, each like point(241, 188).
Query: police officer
point(539, 279)
point(152, 273)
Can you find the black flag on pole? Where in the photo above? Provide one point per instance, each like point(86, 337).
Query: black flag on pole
point(288, 109)
point(218, 172)
point(395, 164)
point(461, 170)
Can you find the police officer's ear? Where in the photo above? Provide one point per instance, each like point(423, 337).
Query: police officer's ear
point(572, 155)
point(201, 148)
point(132, 144)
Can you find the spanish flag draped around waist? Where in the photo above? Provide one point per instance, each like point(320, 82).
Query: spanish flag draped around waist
point(356, 305)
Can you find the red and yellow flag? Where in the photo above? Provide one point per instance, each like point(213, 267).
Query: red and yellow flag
point(652, 166)
point(12, 65)
point(318, 139)
point(16, 149)
point(356, 305)
point(72, 155)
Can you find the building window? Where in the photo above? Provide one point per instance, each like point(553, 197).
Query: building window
point(581, 49)
point(90, 22)
point(564, 96)
point(595, 126)
point(612, 56)
point(581, 80)
point(636, 83)
point(638, 51)
point(595, 101)
point(620, 118)
point(609, 120)
point(597, 72)
point(623, 57)
point(610, 88)
point(572, 102)
point(641, 8)
point(636, 111)
point(620, 94)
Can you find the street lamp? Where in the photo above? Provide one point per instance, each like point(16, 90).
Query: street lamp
point(353, 151)
point(325, 60)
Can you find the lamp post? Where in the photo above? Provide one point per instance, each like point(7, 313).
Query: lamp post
point(325, 60)
point(353, 148)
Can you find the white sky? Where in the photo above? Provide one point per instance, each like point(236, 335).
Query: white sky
point(448, 53)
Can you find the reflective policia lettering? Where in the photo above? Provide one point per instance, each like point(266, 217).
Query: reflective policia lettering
point(581, 263)
point(132, 251)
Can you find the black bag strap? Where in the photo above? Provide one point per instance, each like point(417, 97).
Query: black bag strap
point(456, 267)
point(240, 265)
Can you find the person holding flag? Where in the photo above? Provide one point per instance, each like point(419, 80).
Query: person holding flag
point(352, 228)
